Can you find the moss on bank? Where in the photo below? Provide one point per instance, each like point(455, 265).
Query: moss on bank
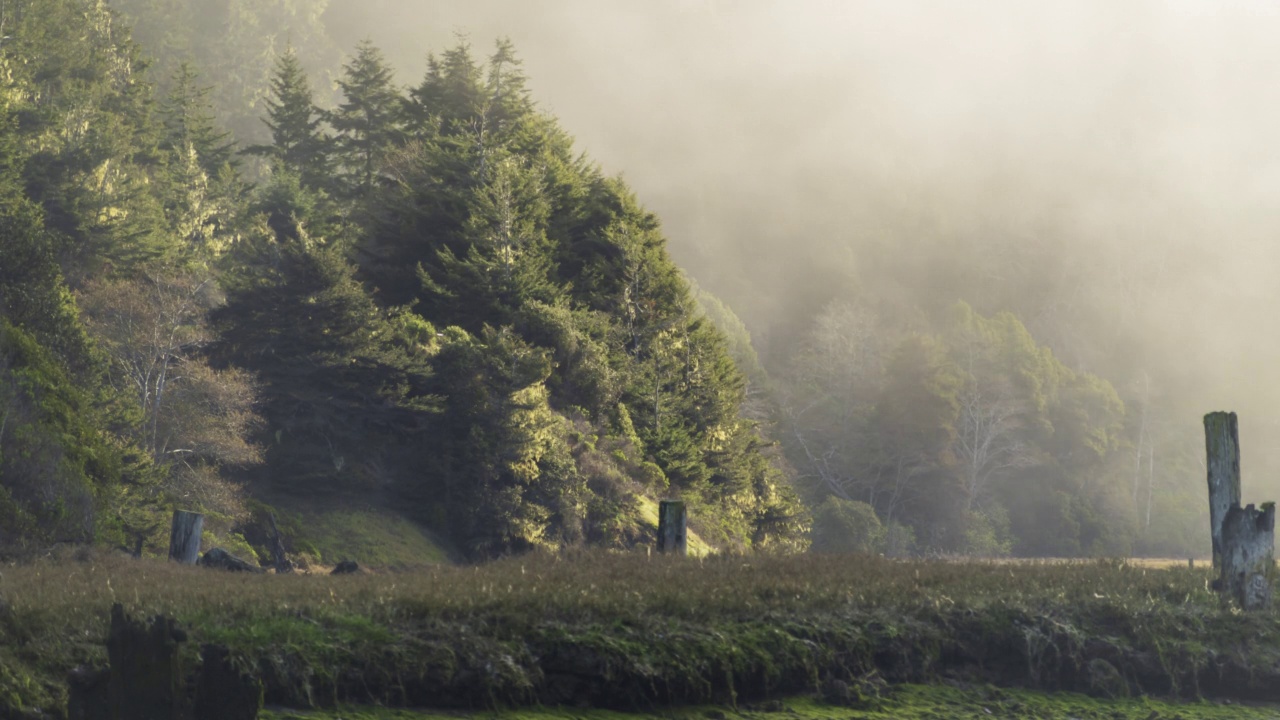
point(906, 702)
point(627, 631)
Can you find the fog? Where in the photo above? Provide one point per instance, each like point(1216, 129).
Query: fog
point(1110, 171)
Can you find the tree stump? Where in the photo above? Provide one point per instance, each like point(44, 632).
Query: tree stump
point(184, 538)
point(673, 528)
point(1248, 557)
point(146, 681)
point(1222, 447)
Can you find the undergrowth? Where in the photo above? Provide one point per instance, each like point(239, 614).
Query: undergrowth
point(634, 631)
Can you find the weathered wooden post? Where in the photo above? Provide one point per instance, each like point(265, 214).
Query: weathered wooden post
point(184, 538)
point(673, 527)
point(1248, 557)
point(1222, 447)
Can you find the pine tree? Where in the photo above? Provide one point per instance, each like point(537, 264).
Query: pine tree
point(189, 120)
point(370, 121)
point(507, 98)
point(451, 95)
point(342, 380)
point(298, 143)
point(503, 261)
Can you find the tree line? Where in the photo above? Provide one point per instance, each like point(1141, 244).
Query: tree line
point(425, 296)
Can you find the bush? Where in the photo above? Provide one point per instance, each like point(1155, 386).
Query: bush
point(846, 526)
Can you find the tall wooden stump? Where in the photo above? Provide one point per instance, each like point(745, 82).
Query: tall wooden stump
point(1248, 558)
point(184, 538)
point(1222, 447)
point(146, 680)
point(673, 536)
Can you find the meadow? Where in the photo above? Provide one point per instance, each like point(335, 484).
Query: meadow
point(634, 632)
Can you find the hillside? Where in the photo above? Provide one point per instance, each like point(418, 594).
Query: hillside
point(423, 301)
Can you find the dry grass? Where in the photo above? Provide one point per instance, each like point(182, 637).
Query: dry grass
point(79, 593)
point(633, 628)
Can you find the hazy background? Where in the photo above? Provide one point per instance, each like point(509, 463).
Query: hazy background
point(1110, 171)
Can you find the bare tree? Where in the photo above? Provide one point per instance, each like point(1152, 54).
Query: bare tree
point(988, 442)
point(194, 418)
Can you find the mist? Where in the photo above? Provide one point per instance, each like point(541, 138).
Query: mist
point(1108, 171)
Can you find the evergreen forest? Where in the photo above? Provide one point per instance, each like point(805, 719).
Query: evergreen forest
point(246, 269)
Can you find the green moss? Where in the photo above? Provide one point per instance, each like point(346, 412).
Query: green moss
point(907, 702)
point(372, 537)
point(346, 529)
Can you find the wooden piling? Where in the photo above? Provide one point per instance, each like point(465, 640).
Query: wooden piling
point(1248, 558)
point(1222, 448)
point(184, 537)
point(673, 527)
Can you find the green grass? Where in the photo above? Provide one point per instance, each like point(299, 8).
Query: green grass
point(373, 537)
point(633, 631)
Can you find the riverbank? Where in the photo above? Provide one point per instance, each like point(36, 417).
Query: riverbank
point(627, 632)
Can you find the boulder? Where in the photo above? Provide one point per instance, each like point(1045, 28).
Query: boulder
point(346, 567)
point(223, 560)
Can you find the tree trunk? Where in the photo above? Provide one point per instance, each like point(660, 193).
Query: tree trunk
point(672, 527)
point(184, 538)
point(1222, 445)
point(282, 562)
point(1248, 555)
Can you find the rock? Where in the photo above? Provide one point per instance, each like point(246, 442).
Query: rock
point(346, 567)
point(1106, 681)
point(223, 560)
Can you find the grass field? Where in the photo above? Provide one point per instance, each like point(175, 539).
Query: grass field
point(633, 631)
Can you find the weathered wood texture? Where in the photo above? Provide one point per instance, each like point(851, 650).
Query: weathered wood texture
point(1248, 557)
point(673, 527)
point(146, 680)
point(184, 537)
point(1222, 448)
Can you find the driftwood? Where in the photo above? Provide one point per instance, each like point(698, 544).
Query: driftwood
point(184, 538)
point(1222, 448)
point(1248, 560)
point(673, 527)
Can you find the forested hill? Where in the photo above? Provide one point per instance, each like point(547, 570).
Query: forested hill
point(425, 297)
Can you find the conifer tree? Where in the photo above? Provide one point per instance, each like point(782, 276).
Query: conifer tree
point(451, 94)
point(369, 122)
point(188, 120)
point(336, 370)
point(298, 143)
